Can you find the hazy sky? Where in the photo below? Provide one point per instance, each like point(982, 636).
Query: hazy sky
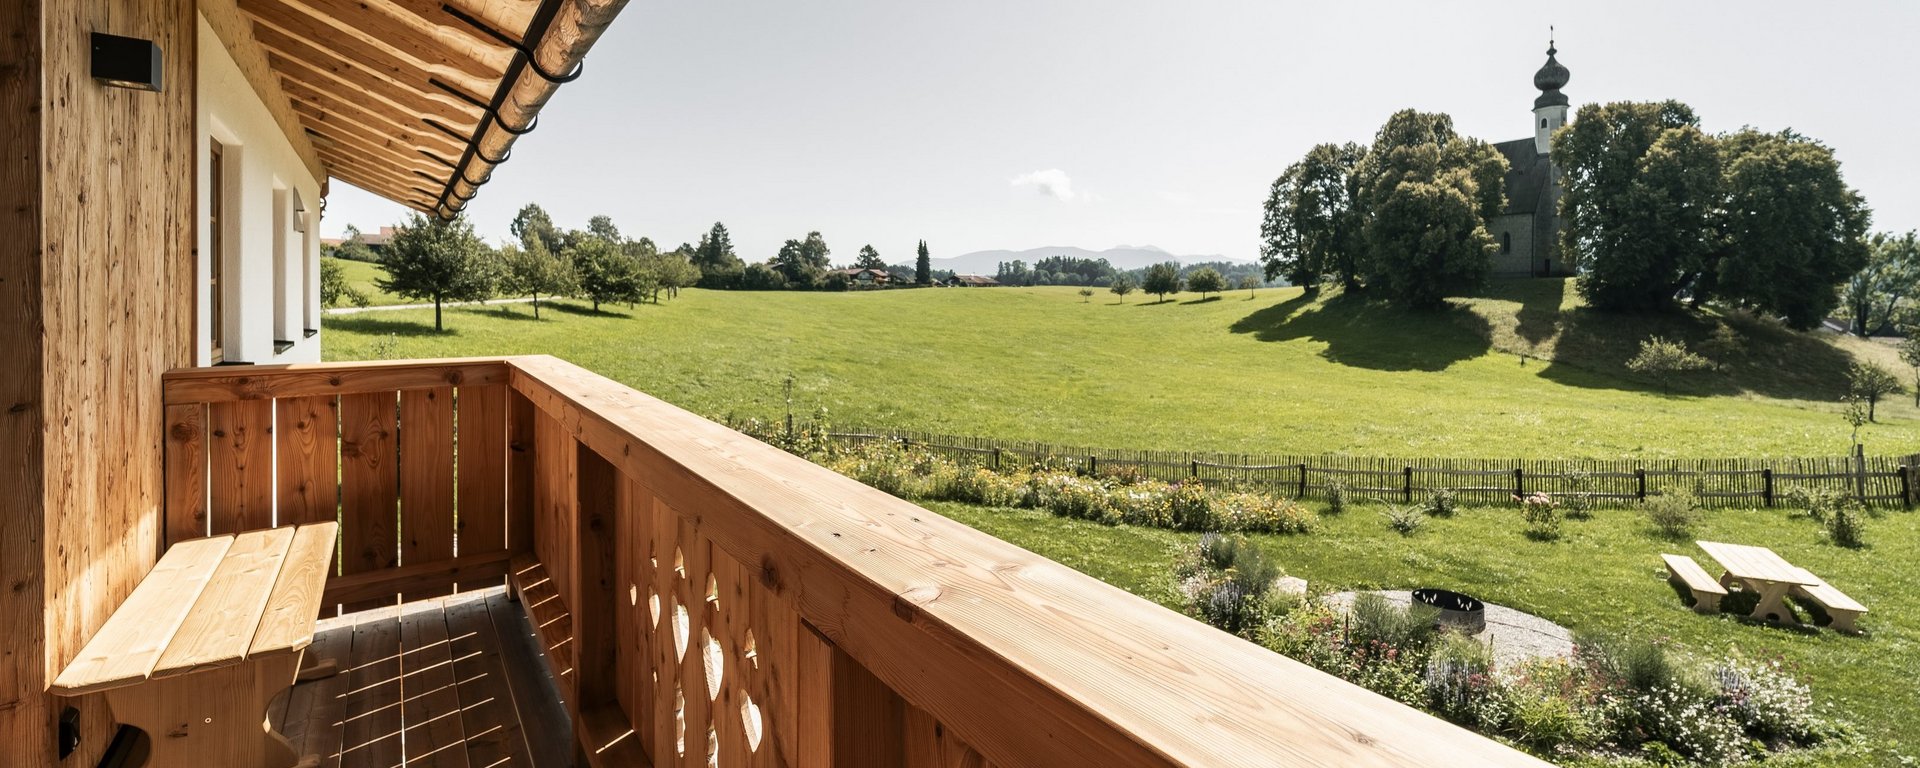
point(1026, 123)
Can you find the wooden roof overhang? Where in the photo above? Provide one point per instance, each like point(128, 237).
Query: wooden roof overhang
point(413, 100)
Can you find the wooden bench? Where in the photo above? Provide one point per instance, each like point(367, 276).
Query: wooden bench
point(1706, 590)
point(212, 634)
point(1841, 608)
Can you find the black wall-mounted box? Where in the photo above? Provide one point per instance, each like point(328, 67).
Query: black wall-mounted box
point(126, 62)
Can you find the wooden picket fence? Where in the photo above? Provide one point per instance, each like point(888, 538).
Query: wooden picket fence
point(1881, 481)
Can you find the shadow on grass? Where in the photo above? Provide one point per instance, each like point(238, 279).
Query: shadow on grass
point(1201, 300)
point(1774, 361)
point(1155, 303)
point(365, 322)
point(583, 310)
point(1374, 335)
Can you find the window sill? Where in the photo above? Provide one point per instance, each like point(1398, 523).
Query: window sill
point(280, 346)
point(311, 332)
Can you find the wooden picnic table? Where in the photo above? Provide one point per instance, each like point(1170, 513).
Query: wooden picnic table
point(1763, 572)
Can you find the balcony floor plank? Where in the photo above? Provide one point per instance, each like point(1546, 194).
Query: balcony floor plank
point(396, 661)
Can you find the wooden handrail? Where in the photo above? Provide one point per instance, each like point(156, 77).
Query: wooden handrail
point(265, 382)
point(1023, 659)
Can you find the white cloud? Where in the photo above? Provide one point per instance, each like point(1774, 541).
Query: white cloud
point(1051, 182)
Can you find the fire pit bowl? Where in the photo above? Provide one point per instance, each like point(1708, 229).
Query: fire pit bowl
point(1457, 611)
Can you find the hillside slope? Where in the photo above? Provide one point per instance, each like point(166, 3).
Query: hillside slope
point(1275, 372)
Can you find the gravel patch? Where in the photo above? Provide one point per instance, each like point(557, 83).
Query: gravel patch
point(1514, 636)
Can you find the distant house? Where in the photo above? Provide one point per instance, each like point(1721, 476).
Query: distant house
point(972, 281)
point(375, 241)
point(865, 277)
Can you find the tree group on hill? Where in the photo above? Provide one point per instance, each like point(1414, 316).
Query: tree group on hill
point(1656, 212)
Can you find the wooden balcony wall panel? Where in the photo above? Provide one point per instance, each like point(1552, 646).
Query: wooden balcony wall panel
point(520, 472)
point(376, 446)
point(186, 472)
point(240, 465)
point(307, 462)
point(969, 649)
point(426, 480)
point(554, 490)
point(481, 432)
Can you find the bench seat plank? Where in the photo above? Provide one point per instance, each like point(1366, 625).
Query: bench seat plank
point(220, 627)
point(129, 644)
point(1819, 591)
point(295, 602)
point(1706, 590)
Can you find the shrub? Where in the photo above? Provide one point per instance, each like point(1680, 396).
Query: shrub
point(1443, 503)
point(1692, 725)
point(1191, 508)
point(1255, 513)
point(1672, 513)
point(1844, 526)
point(1404, 520)
point(1662, 359)
point(1546, 706)
point(1768, 701)
point(1459, 680)
point(1577, 502)
point(1635, 663)
point(1339, 496)
point(1229, 582)
point(1377, 620)
point(1542, 515)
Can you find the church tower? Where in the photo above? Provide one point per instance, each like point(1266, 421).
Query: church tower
point(1550, 110)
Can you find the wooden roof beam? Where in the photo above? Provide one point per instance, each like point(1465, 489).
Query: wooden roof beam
point(377, 24)
point(402, 195)
point(380, 166)
point(405, 129)
point(236, 35)
point(356, 46)
point(400, 159)
point(333, 75)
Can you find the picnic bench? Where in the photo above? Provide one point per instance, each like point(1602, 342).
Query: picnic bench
point(1706, 590)
point(1843, 610)
point(212, 634)
point(1766, 574)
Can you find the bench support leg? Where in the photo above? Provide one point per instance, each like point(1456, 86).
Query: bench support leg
point(211, 717)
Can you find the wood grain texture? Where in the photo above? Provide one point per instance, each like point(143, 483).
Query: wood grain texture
point(287, 624)
point(128, 646)
point(971, 629)
point(186, 472)
point(554, 487)
point(494, 736)
point(240, 462)
point(483, 568)
point(219, 628)
point(237, 36)
point(307, 458)
point(482, 470)
point(434, 733)
point(520, 466)
point(373, 686)
point(369, 483)
point(594, 598)
point(426, 478)
point(266, 382)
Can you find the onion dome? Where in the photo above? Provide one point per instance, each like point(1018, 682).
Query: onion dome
point(1551, 77)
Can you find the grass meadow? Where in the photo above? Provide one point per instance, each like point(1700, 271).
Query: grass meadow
point(1522, 371)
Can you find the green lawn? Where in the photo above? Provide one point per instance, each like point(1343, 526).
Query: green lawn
point(1274, 373)
point(1619, 585)
point(360, 275)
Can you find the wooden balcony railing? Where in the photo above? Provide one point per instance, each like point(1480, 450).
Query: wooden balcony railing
point(707, 599)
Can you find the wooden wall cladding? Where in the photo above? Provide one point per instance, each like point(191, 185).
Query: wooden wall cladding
point(96, 200)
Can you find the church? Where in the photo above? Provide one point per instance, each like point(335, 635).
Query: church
point(1527, 232)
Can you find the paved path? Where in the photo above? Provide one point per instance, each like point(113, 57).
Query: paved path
point(383, 307)
point(1515, 636)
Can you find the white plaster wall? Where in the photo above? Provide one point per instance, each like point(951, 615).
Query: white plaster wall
point(259, 160)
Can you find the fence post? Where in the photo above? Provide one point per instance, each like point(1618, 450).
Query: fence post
point(996, 458)
point(1193, 468)
point(1303, 482)
point(1519, 482)
point(1860, 471)
point(1406, 492)
point(1766, 480)
point(1093, 464)
point(1640, 474)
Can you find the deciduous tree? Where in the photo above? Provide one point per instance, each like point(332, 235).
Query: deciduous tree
point(1869, 383)
point(1206, 280)
point(1162, 279)
point(1312, 224)
point(1250, 283)
point(1427, 193)
point(437, 260)
point(1642, 188)
point(869, 259)
point(534, 272)
point(1891, 274)
point(1121, 286)
point(605, 273)
point(1794, 230)
point(532, 225)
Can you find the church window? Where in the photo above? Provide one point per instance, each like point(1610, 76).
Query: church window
point(1543, 122)
point(1506, 242)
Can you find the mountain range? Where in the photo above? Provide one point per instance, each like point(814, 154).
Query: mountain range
point(1120, 256)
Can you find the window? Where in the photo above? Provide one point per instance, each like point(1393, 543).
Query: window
point(216, 256)
point(1506, 242)
point(1543, 122)
point(282, 270)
